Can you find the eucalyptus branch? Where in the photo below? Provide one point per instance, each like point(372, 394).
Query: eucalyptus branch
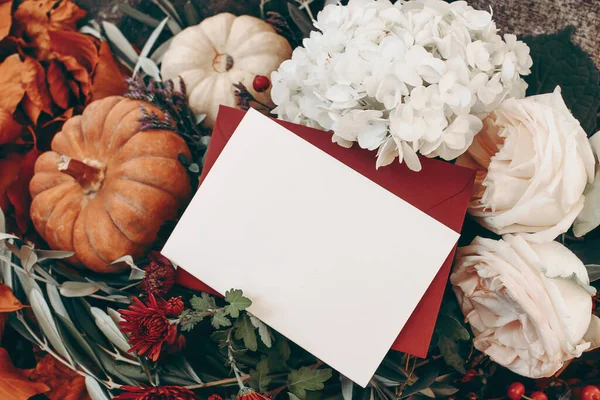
point(118, 357)
point(232, 361)
point(221, 382)
point(43, 345)
point(21, 269)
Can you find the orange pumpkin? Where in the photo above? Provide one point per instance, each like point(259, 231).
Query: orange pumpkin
point(106, 187)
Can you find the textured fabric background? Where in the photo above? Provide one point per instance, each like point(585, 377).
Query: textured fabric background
point(517, 16)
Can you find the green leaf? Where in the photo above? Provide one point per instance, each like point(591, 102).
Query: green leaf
point(260, 376)
point(305, 378)
point(300, 19)
point(263, 331)
point(449, 350)
point(188, 319)
point(557, 61)
point(451, 328)
point(244, 330)
point(237, 302)
point(220, 320)
point(204, 303)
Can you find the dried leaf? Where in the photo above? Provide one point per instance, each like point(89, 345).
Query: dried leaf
point(5, 17)
point(79, 55)
point(18, 192)
point(8, 301)
point(108, 79)
point(34, 19)
point(10, 82)
point(14, 385)
point(38, 99)
point(10, 167)
point(64, 383)
point(117, 39)
point(57, 83)
point(10, 129)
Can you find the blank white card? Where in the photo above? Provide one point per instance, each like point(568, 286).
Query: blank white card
point(330, 259)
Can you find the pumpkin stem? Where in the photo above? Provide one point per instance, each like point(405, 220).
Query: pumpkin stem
point(88, 174)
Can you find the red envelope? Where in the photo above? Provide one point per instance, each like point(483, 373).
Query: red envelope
point(440, 189)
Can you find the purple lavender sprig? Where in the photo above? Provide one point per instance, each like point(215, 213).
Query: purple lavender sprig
point(178, 116)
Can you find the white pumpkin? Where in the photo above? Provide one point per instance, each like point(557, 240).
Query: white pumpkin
point(220, 51)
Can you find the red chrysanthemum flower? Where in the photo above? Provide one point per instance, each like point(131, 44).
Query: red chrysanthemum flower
point(156, 393)
point(251, 394)
point(148, 327)
point(215, 397)
point(173, 307)
point(160, 275)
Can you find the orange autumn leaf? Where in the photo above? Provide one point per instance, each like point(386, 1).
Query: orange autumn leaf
point(18, 192)
point(8, 301)
point(108, 79)
point(10, 129)
point(5, 17)
point(79, 54)
point(64, 383)
point(37, 97)
point(35, 18)
point(14, 385)
point(10, 83)
point(57, 83)
point(10, 167)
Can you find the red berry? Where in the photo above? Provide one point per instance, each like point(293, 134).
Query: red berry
point(261, 83)
point(516, 391)
point(538, 396)
point(590, 392)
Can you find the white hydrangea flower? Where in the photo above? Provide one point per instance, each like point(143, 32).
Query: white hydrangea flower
point(414, 77)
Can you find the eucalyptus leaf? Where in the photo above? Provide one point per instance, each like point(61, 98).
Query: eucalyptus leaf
point(120, 42)
point(263, 331)
point(80, 339)
point(132, 371)
point(88, 30)
point(138, 15)
point(53, 255)
point(111, 368)
point(20, 328)
point(95, 391)
point(593, 272)
point(426, 379)
point(150, 68)
point(42, 272)
point(347, 387)
point(175, 380)
point(136, 272)
point(293, 396)
point(300, 19)
point(191, 14)
point(4, 235)
point(82, 314)
point(117, 298)
point(452, 328)
point(443, 390)
point(77, 289)
point(449, 350)
point(27, 282)
point(5, 267)
point(110, 329)
point(149, 45)
point(168, 8)
point(28, 258)
point(46, 321)
point(159, 53)
point(56, 302)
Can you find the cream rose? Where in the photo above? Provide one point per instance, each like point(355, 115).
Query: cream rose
point(529, 305)
point(534, 161)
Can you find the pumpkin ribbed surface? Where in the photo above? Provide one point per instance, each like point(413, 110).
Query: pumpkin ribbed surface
point(220, 51)
point(106, 187)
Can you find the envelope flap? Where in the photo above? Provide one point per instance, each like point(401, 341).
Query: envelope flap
point(436, 183)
